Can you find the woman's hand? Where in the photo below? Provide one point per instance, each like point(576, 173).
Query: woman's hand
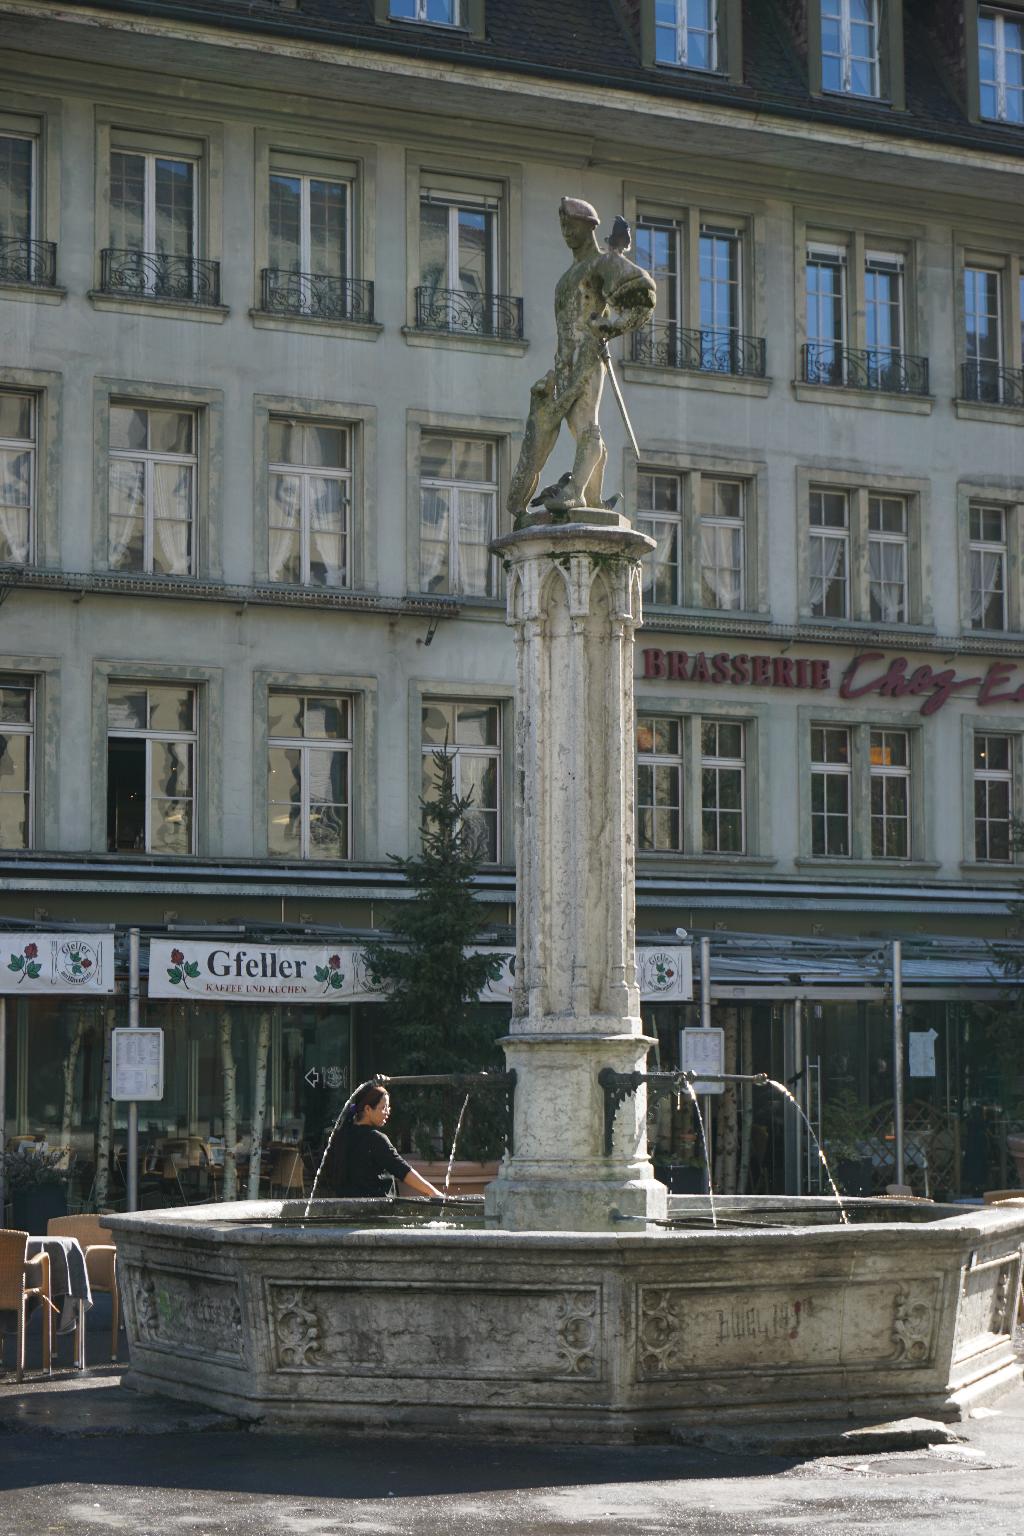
point(421, 1186)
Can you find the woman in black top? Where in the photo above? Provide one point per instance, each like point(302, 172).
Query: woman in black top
point(362, 1162)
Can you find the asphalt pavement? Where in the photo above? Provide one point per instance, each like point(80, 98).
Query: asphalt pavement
point(82, 1455)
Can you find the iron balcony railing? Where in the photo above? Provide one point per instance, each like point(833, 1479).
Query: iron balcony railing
point(152, 275)
point(704, 350)
point(317, 296)
point(879, 368)
point(497, 315)
point(990, 384)
point(28, 261)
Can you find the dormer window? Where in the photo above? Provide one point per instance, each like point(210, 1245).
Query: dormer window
point(850, 47)
point(1001, 65)
point(436, 13)
point(686, 33)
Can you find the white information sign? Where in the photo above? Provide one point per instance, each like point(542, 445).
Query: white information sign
point(56, 962)
point(703, 1050)
point(922, 1052)
point(137, 1063)
point(337, 974)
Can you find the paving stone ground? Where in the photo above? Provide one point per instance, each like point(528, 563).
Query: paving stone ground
point(81, 1455)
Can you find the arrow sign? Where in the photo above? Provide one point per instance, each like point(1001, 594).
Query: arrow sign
point(312, 1077)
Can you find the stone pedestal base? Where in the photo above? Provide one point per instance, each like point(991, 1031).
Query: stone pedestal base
point(559, 1178)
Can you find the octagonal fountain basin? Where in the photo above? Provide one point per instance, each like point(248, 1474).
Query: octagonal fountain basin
point(408, 1317)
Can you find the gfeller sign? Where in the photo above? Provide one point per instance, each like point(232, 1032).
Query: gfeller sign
point(871, 672)
point(261, 972)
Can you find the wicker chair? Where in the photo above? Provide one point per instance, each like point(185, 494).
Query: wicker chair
point(17, 1272)
point(101, 1265)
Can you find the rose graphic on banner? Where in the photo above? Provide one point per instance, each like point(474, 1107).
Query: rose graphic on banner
point(180, 970)
point(26, 963)
point(331, 974)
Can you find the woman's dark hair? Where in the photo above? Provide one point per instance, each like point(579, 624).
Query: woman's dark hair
point(366, 1097)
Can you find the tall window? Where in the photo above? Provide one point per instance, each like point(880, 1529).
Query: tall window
point(459, 263)
point(657, 244)
point(826, 311)
point(723, 796)
point(659, 515)
point(151, 764)
point(849, 46)
point(440, 13)
point(471, 735)
point(154, 212)
point(720, 297)
point(1001, 65)
point(890, 794)
point(659, 784)
point(721, 543)
point(988, 567)
point(830, 792)
point(309, 775)
point(884, 313)
point(17, 716)
point(887, 559)
point(458, 514)
point(830, 554)
point(152, 508)
point(310, 225)
point(993, 798)
point(983, 342)
point(17, 203)
point(686, 33)
point(310, 502)
point(17, 477)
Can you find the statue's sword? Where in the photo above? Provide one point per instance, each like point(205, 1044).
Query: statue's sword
point(606, 358)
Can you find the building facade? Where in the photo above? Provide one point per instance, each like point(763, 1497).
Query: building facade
point(275, 281)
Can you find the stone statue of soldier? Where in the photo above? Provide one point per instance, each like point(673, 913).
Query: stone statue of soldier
point(603, 294)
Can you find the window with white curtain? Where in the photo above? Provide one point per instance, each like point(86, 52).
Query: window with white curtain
point(152, 489)
point(310, 477)
point(659, 515)
point(659, 784)
point(830, 554)
point(310, 224)
point(438, 13)
point(721, 543)
point(17, 724)
point(458, 514)
point(18, 416)
point(151, 767)
point(309, 775)
point(887, 559)
point(993, 798)
point(987, 559)
point(1001, 65)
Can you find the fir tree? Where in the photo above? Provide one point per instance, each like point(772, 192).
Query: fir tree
point(432, 1020)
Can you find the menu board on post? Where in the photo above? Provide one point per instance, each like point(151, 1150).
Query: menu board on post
point(137, 1064)
point(703, 1050)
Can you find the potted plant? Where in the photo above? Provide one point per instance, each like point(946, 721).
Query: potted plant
point(846, 1133)
point(36, 1185)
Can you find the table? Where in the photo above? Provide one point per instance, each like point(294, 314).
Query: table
point(69, 1285)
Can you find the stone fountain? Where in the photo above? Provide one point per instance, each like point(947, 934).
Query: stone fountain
point(577, 1300)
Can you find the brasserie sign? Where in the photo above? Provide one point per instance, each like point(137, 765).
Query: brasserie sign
point(996, 683)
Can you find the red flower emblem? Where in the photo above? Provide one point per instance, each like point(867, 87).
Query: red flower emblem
point(86, 963)
point(177, 956)
point(31, 950)
point(335, 962)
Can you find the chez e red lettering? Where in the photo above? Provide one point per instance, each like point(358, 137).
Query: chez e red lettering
point(894, 683)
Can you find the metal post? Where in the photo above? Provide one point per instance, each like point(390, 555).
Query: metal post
point(792, 1068)
point(705, 1023)
point(133, 1108)
point(897, 1061)
point(3, 1099)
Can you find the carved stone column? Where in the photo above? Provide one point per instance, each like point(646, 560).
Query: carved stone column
point(574, 603)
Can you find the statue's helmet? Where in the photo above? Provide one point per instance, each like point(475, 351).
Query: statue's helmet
point(576, 208)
